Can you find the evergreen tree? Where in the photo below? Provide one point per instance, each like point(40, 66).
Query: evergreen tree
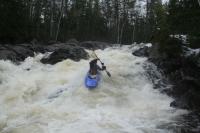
point(184, 18)
point(14, 24)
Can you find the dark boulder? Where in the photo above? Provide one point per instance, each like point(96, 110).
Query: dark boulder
point(72, 49)
point(72, 42)
point(2, 47)
point(142, 52)
point(54, 47)
point(51, 42)
point(183, 73)
point(180, 103)
point(94, 45)
point(22, 52)
point(8, 55)
point(39, 48)
point(70, 52)
point(15, 53)
point(189, 100)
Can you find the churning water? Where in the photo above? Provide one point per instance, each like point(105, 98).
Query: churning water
point(38, 98)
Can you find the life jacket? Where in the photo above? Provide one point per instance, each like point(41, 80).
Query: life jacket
point(93, 67)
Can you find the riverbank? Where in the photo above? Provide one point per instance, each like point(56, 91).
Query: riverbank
point(183, 73)
point(72, 49)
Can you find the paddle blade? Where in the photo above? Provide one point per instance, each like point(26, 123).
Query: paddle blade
point(108, 74)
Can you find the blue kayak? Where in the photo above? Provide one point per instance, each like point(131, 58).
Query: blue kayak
point(90, 82)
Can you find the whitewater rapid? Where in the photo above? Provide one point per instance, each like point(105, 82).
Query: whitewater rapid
point(39, 98)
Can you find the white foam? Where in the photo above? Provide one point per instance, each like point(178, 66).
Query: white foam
point(53, 99)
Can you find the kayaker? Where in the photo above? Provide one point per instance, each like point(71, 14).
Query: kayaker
point(94, 68)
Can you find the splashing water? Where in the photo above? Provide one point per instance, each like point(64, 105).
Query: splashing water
point(38, 98)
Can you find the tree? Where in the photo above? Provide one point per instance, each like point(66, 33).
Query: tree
point(60, 17)
point(14, 23)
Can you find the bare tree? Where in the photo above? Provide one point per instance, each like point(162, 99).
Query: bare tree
point(61, 15)
point(31, 9)
point(51, 18)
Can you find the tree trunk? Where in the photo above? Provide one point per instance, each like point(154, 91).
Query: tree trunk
point(61, 14)
point(38, 12)
point(199, 2)
point(30, 9)
point(52, 16)
point(118, 30)
point(121, 34)
point(133, 39)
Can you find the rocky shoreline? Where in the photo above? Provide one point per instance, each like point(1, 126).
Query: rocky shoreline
point(183, 73)
point(72, 49)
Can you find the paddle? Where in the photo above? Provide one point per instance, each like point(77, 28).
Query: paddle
point(108, 73)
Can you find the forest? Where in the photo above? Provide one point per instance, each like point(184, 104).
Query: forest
point(116, 21)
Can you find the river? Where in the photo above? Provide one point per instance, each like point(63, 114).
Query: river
point(39, 98)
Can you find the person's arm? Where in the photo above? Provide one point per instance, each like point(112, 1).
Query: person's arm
point(101, 69)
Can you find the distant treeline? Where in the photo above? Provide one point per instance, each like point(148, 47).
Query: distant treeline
point(117, 21)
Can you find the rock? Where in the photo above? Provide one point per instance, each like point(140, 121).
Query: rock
point(71, 49)
point(34, 42)
point(180, 103)
point(183, 73)
point(71, 44)
point(188, 100)
point(15, 53)
point(72, 41)
point(70, 52)
point(154, 52)
point(94, 45)
point(22, 52)
point(26, 45)
point(8, 55)
point(57, 46)
point(39, 48)
point(51, 42)
point(2, 47)
point(142, 52)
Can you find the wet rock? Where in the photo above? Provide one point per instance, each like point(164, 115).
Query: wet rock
point(186, 82)
point(2, 47)
point(15, 53)
point(94, 45)
point(142, 52)
point(186, 92)
point(40, 48)
point(184, 74)
point(8, 55)
point(22, 52)
point(189, 100)
point(70, 52)
point(57, 46)
point(72, 42)
point(51, 42)
point(71, 49)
